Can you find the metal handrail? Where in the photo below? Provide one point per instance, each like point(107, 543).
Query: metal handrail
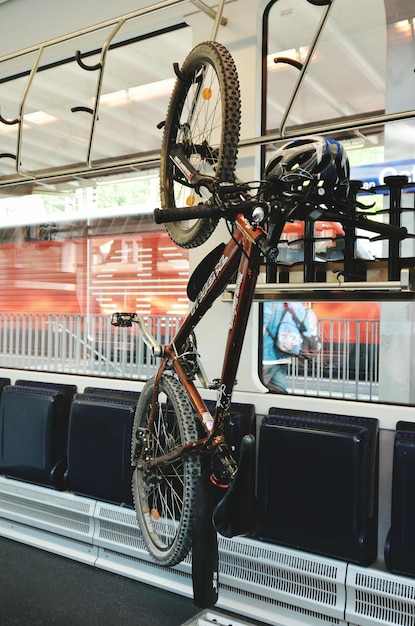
point(153, 8)
point(397, 290)
point(327, 128)
point(305, 67)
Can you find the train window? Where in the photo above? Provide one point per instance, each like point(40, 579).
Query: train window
point(346, 363)
point(344, 69)
point(304, 82)
point(365, 353)
point(91, 250)
point(143, 272)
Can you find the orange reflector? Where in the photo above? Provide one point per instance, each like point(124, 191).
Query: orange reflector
point(190, 200)
point(155, 514)
point(207, 93)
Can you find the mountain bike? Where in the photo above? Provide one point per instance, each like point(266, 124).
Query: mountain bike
point(187, 483)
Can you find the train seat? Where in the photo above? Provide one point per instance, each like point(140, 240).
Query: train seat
point(317, 484)
point(400, 542)
point(99, 446)
point(33, 434)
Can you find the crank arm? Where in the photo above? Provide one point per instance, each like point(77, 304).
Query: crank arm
point(155, 348)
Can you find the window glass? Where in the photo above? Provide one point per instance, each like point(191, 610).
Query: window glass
point(358, 71)
point(91, 250)
point(346, 361)
point(346, 62)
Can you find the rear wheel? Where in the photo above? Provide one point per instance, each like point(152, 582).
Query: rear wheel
point(202, 125)
point(164, 496)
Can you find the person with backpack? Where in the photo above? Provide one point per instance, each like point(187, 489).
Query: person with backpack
point(290, 329)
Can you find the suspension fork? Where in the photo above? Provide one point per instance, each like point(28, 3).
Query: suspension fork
point(199, 82)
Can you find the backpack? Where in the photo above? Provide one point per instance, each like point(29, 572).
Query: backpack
point(297, 337)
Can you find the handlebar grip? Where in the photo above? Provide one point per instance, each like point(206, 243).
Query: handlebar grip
point(177, 214)
point(385, 230)
point(389, 231)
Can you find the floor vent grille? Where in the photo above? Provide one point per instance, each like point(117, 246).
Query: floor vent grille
point(379, 598)
point(275, 585)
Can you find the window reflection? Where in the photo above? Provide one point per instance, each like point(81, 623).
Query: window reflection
point(361, 67)
point(347, 364)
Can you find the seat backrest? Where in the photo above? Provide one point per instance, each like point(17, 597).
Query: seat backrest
point(33, 434)
point(400, 544)
point(99, 448)
point(66, 389)
point(119, 393)
point(317, 484)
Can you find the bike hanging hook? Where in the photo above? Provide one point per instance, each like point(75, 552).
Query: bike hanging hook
point(90, 68)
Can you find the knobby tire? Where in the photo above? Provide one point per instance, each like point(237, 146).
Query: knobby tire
point(203, 118)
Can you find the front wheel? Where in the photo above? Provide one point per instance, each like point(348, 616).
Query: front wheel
point(164, 496)
point(202, 125)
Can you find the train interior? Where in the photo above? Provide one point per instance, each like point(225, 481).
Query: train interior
point(83, 99)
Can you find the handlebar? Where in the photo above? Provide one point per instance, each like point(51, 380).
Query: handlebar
point(224, 207)
point(175, 214)
point(389, 231)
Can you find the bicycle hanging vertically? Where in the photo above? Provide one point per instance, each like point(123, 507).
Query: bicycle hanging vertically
point(187, 483)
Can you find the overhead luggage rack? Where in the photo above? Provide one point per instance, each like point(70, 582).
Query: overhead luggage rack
point(20, 171)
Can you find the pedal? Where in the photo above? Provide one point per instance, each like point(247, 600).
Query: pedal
point(124, 320)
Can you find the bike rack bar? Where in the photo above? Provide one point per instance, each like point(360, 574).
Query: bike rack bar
point(117, 24)
point(216, 15)
point(19, 119)
point(402, 289)
point(328, 129)
point(100, 67)
point(158, 6)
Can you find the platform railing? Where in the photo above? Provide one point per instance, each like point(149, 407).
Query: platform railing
point(347, 366)
point(79, 344)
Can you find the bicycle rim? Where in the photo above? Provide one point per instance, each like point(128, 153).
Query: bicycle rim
point(164, 496)
point(203, 119)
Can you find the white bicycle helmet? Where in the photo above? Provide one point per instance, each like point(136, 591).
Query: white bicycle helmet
point(312, 169)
